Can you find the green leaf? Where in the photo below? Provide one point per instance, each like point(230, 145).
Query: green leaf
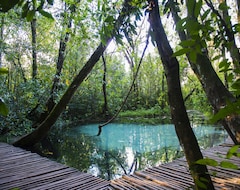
point(3, 70)
point(30, 15)
point(236, 28)
point(236, 84)
point(207, 161)
point(193, 56)
point(50, 2)
point(233, 151)
point(224, 64)
point(6, 5)
point(109, 19)
point(205, 14)
point(46, 14)
point(230, 165)
point(193, 27)
point(200, 183)
point(181, 24)
point(3, 108)
point(181, 52)
point(223, 6)
point(187, 43)
point(197, 9)
point(229, 109)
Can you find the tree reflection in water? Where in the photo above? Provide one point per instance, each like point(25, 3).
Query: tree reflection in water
point(122, 148)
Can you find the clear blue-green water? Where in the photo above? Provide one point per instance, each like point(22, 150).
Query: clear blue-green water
point(123, 148)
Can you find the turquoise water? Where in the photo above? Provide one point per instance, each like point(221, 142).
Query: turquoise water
point(123, 148)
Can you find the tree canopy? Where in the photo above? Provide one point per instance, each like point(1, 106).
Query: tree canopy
point(75, 61)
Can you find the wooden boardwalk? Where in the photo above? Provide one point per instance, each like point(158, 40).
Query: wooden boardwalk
point(175, 175)
point(20, 169)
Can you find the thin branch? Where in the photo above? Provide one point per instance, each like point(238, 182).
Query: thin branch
point(134, 79)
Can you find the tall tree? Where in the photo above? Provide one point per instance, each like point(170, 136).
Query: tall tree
point(34, 42)
point(67, 24)
point(104, 88)
point(43, 128)
point(1, 38)
point(34, 47)
point(217, 94)
point(179, 115)
point(224, 23)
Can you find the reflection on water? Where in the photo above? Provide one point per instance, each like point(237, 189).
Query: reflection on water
point(123, 148)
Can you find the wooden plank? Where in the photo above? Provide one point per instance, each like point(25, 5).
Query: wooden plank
point(25, 170)
point(177, 176)
point(162, 181)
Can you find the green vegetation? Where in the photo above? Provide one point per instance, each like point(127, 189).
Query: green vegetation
point(74, 61)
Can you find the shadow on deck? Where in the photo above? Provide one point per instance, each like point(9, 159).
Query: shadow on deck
point(21, 169)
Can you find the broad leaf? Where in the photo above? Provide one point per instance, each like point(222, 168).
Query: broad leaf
point(187, 43)
point(46, 14)
point(207, 161)
point(230, 165)
point(233, 151)
point(197, 9)
point(3, 70)
point(3, 108)
point(223, 6)
point(30, 15)
point(229, 109)
point(50, 2)
point(6, 5)
point(181, 52)
point(205, 14)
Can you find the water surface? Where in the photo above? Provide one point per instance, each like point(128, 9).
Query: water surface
point(123, 148)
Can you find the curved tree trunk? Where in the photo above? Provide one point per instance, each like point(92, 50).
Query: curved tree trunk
point(41, 131)
point(216, 92)
point(178, 111)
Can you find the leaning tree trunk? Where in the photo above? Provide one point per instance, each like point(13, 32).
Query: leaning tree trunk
point(41, 131)
point(104, 88)
point(178, 111)
point(216, 92)
point(50, 103)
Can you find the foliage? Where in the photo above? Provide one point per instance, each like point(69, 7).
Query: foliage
point(3, 107)
point(233, 151)
point(29, 8)
point(91, 23)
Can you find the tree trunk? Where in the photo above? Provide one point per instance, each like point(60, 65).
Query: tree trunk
point(104, 88)
point(34, 47)
point(238, 10)
point(50, 103)
point(41, 131)
point(1, 39)
point(34, 114)
point(216, 92)
point(230, 43)
point(178, 111)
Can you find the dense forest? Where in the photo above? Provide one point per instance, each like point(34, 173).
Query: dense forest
point(72, 61)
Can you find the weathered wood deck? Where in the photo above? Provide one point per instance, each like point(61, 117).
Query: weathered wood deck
point(175, 175)
point(20, 169)
point(25, 170)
